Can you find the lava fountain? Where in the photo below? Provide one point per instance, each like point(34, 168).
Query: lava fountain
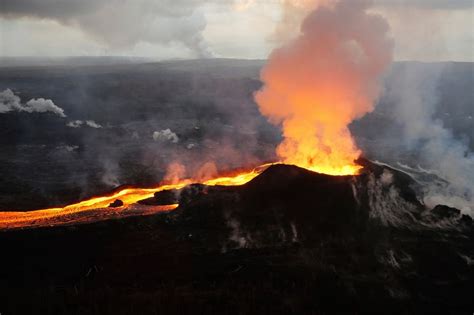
point(318, 83)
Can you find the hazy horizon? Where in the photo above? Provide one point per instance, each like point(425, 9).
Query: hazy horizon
point(243, 29)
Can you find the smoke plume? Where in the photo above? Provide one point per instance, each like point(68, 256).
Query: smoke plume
point(79, 123)
point(165, 135)
point(175, 172)
point(293, 12)
point(415, 96)
point(10, 102)
point(321, 81)
point(93, 124)
point(75, 123)
point(42, 105)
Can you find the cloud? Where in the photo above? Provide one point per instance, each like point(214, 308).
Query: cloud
point(121, 23)
point(430, 30)
point(10, 102)
point(428, 4)
point(165, 135)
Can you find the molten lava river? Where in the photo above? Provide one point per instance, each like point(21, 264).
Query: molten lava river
point(97, 208)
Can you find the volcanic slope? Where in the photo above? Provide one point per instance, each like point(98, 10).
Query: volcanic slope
point(290, 241)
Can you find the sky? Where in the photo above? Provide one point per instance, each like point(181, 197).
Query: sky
point(424, 30)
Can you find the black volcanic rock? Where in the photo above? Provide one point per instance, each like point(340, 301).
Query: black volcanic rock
point(165, 197)
point(452, 215)
point(290, 241)
point(403, 182)
point(117, 203)
point(446, 212)
point(286, 199)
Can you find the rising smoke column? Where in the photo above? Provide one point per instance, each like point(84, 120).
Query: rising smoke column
point(415, 95)
point(318, 83)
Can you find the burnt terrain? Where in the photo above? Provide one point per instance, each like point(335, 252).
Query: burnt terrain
point(288, 242)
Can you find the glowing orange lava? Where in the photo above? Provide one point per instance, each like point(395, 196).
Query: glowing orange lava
point(97, 208)
point(129, 196)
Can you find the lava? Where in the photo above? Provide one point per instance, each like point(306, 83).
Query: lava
point(129, 196)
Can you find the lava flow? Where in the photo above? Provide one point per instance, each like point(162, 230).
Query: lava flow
point(97, 208)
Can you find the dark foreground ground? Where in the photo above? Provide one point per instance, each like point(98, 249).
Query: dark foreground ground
point(288, 242)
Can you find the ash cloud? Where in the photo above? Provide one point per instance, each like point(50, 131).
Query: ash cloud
point(9, 102)
point(122, 23)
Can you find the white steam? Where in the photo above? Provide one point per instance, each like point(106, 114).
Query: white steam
point(10, 102)
point(414, 97)
point(75, 123)
point(42, 105)
point(92, 124)
point(165, 135)
point(385, 201)
point(110, 175)
point(79, 123)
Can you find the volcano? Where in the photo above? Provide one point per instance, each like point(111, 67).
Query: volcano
point(289, 241)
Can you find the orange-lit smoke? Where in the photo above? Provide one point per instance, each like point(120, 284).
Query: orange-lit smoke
point(319, 82)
